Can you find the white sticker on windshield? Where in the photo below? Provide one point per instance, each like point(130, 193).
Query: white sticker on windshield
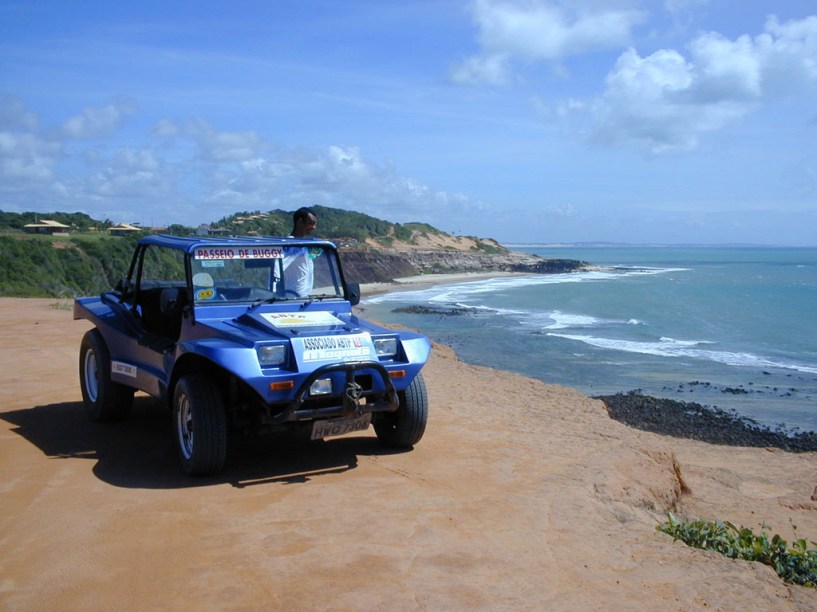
point(225, 252)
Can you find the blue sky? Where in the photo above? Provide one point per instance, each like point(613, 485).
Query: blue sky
point(669, 121)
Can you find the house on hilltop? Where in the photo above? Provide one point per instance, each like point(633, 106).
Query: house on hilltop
point(47, 226)
point(207, 230)
point(123, 229)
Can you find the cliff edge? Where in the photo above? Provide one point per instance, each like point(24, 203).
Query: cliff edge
point(369, 263)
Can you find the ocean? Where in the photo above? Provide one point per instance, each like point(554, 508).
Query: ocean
point(732, 328)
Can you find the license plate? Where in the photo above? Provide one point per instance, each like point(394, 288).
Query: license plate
point(338, 427)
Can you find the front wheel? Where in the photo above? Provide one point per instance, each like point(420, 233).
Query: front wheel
point(104, 399)
point(405, 427)
point(201, 425)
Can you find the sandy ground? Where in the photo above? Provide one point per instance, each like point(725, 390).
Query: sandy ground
point(521, 496)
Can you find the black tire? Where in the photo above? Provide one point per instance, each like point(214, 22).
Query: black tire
point(200, 422)
point(405, 427)
point(104, 399)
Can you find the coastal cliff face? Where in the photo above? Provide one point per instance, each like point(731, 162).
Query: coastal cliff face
point(371, 265)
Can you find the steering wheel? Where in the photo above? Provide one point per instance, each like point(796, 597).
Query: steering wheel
point(291, 292)
point(259, 293)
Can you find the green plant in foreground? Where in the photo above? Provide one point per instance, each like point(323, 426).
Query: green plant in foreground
point(796, 564)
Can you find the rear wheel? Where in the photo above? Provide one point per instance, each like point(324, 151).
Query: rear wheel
point(104, 399)
point(201, 425)
point(405, 427)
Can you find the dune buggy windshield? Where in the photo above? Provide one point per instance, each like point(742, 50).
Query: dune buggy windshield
point(264, 272)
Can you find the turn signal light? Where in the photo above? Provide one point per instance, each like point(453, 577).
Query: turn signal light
point(397, 374)
point(286, 385)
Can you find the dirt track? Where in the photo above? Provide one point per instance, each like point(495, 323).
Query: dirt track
point(521, 495)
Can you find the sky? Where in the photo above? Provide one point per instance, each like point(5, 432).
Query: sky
point(527, 121)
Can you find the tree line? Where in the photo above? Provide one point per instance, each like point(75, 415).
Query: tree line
point(333, 223)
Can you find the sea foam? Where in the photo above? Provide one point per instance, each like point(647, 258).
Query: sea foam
point(668, 347)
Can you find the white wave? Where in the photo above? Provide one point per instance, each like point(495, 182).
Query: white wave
point(481, 308)
point(646, 271)
point(490, 309)
point(674, 342)
point(458, 292)
point(668, 347)
point(416, 296)
point(563, 320)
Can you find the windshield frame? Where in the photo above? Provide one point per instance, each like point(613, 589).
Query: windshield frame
point(259, 272)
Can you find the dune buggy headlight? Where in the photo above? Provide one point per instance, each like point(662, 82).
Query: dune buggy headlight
point(385, 347)
point(322, 386)
point(270, 355)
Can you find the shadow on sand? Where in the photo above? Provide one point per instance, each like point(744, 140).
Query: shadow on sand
point(140, 452)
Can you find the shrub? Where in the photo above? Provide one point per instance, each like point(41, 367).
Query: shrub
point(795, 563)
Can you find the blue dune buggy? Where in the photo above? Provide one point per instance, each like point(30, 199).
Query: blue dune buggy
point(248, 335)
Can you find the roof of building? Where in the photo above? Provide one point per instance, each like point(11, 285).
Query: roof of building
point(48, 223)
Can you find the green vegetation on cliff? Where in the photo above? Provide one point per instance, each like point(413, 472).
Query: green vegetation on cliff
point(42, 267)
point(333, 223)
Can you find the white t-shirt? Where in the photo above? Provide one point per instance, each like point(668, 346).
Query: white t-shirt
point(298, 270)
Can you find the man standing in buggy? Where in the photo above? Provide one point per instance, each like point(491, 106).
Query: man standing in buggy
point(298, 265)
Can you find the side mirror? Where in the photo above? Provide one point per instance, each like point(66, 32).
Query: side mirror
point(124, 288)
point(353, 293)
point(170, 301)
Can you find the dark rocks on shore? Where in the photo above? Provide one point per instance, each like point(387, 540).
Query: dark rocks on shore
point(739, 390)
point(440, 311)
point(704, 423)
point(549, 266)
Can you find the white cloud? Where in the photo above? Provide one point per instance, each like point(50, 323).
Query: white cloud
point(165, 129)
point(133, 174)
point(14, 114)
point(27, 159)
point(201, 174)
point(216, 146)
point(99, 122)
point(342, 176)
point(24, 158)
point(665, 101)
point(193, 173)
point(482, 70)
point(530, 30)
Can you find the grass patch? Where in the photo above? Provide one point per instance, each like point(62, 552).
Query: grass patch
point(795, 563)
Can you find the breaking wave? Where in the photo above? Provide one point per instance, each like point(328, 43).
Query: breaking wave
point(466, 291)
point(669, 347)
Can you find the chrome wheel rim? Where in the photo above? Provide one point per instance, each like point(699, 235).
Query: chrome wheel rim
point(184, 426)
point(91, 376)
